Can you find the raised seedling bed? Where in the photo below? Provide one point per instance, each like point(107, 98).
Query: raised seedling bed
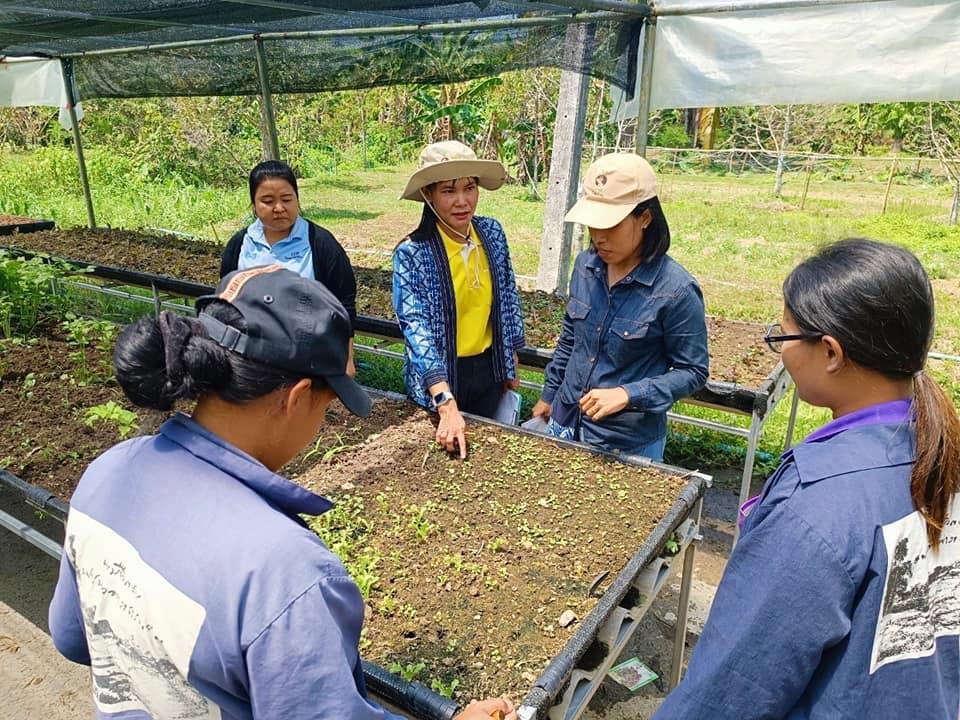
point(478, 574)
point(737, 356)
point(14, 224)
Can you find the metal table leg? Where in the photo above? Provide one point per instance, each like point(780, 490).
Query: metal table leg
point(791, 420)
point(686, 580)
point(756, 425)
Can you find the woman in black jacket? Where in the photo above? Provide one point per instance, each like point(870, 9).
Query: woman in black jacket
point(280, 235)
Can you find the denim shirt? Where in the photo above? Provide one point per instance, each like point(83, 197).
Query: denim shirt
point(647, 333)
point(833, 605)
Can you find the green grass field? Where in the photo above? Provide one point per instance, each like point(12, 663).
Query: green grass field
point(729, 231)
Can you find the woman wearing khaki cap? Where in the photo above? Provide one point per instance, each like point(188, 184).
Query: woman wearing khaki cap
point(455, 293)
point(634, 338)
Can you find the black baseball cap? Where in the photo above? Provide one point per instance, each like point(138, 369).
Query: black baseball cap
point(293, 323)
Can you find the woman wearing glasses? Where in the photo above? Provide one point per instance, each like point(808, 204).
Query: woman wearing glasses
point(634, 338)
point(842, 598)
point(455, 294)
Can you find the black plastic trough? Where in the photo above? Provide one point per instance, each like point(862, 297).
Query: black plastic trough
point(26, 227)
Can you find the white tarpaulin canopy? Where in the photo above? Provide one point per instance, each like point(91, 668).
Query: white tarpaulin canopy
point(30, 81)
point(865, 52)
point(34, 81)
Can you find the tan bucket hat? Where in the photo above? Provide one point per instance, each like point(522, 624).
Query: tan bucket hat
point(449, 160)
point(613, 186)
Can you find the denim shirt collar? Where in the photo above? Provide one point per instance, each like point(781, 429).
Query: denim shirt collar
point(644, 274)
point(283, 494)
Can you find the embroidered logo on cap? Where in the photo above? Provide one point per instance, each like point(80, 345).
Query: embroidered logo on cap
point(240, 279)
point(600, 180)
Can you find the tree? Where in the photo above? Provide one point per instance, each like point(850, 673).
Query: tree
point(943, 126)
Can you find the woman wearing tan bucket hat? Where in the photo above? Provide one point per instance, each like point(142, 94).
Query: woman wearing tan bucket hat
point(455, 293)
point(634, 338)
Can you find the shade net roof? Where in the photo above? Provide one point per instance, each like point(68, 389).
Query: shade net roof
point(143, 48)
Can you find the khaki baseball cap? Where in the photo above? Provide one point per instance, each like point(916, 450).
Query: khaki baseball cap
point(613, 186)
point(450, 160)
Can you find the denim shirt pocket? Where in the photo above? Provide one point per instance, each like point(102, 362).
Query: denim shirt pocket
point(579, 313)
point(628, 340)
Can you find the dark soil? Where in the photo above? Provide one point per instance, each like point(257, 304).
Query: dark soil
point(737, 354)
point(475, 561)
point(468, 565)
point(43, 395)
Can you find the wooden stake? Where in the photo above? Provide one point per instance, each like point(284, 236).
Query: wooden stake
point(886, 195)
point(806, 183)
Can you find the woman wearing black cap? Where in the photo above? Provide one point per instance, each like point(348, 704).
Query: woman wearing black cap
point(188, 582)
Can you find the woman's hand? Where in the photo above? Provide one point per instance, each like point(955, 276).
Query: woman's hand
point(451, 431)
point(542, 410)
point(601, 402)
point(487, 709)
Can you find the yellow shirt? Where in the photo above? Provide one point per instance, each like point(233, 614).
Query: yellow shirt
point(472, 291)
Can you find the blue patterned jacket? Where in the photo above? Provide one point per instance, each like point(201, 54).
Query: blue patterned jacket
point(424, 302)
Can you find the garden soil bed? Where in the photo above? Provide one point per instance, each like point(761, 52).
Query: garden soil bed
point(737, 354)
point(43, 439)
point(13, 224)
point(469, 565)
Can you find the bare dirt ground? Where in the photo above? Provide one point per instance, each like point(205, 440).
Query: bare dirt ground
point(36, 682)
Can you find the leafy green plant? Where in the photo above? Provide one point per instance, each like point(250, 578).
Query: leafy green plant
point(82, 334)
point(125, 421)
point(445, 688)
point(29, 293)
point(408, 671)
point(344, 529)
point(418, 520)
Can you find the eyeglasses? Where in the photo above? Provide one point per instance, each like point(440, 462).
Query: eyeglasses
point(774, 337)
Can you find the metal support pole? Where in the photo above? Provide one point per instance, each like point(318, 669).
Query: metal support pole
point(646, 80)
point(31, 535)
point(66, 69)
point(271, 149)
point(686, 580)
point(756, 425)
point(791, 420)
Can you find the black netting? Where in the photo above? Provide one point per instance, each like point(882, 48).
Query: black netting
point(362, 57)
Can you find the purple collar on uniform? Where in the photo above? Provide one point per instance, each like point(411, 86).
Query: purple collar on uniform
point(894, 412)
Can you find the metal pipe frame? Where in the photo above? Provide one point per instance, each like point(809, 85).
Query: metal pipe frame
point(31, 535)
point(266, 100)
point(422, 29)
point(646, 81)
point(712, 8)
point(683, 603)
point(66, 70)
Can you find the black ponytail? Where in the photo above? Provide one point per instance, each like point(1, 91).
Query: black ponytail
point(877, 301)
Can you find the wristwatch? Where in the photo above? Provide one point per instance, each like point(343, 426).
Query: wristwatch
point(442, 397)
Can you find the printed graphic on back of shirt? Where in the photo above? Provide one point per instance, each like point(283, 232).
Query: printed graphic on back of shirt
point(921, 597)
point(141, 630)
